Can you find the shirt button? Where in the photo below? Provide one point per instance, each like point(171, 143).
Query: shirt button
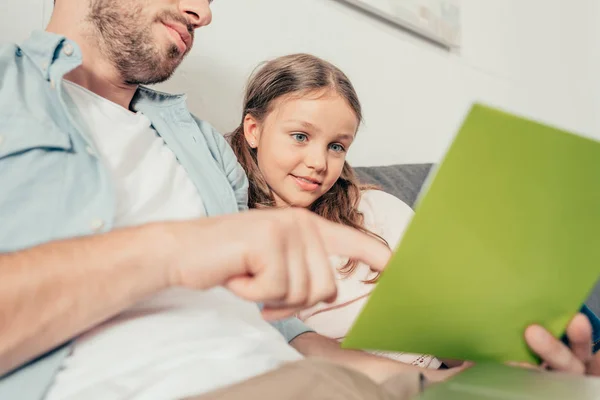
point(52, 84)
point(97, 225)
point(68, 50)
point(90, 150)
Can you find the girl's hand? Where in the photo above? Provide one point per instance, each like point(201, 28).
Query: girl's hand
point(577, 358)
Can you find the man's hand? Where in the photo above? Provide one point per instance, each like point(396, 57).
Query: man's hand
point(53, 292)
point(576, 359)
point(277, 257)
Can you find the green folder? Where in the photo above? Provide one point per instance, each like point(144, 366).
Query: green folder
point(506, 234)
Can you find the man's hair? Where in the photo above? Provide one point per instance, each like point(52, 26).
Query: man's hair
point(298, 75)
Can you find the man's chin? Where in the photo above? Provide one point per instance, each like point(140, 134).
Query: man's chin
point(158, 76)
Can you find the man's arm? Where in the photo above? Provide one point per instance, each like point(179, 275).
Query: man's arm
point(51, 293)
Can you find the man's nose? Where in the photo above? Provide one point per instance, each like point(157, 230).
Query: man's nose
point(197, 12)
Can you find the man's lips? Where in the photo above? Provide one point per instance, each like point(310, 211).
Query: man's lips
point(181, 35)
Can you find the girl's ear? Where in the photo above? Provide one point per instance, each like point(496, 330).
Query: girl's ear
point(251, 131)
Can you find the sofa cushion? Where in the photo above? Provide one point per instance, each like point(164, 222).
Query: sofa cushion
point(402, 181)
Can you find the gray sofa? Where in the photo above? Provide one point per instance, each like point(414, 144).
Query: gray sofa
point(405, 181)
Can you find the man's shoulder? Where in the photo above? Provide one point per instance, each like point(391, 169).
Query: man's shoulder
point(28, 113)
point(12, 58)
point(9, 53)
point(17, 75)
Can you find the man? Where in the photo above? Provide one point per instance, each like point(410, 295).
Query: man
point(119, 226)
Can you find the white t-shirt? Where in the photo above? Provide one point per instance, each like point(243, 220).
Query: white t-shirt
point(388, 217)
point(179, 342)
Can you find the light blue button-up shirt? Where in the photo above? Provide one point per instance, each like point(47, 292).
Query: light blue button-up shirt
point(53, 185)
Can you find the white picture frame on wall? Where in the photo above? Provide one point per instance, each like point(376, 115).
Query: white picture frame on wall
point(435, 20)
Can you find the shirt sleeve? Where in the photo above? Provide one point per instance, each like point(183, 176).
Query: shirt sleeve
point(291, 328)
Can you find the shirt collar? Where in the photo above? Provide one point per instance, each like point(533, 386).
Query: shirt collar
point(46, 49)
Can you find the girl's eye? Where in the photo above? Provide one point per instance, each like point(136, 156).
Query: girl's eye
point(338, 148)
point(300, 137)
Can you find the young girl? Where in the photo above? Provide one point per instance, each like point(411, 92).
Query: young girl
point(301, 115)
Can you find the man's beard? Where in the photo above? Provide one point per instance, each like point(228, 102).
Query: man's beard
point(128, 43)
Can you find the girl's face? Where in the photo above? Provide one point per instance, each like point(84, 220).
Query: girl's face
point(302, 145)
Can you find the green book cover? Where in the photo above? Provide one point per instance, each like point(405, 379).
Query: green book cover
point(507, 234)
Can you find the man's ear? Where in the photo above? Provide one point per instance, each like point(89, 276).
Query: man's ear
point(251, 131)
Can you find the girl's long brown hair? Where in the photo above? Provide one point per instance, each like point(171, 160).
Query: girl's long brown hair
point(300, 74)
